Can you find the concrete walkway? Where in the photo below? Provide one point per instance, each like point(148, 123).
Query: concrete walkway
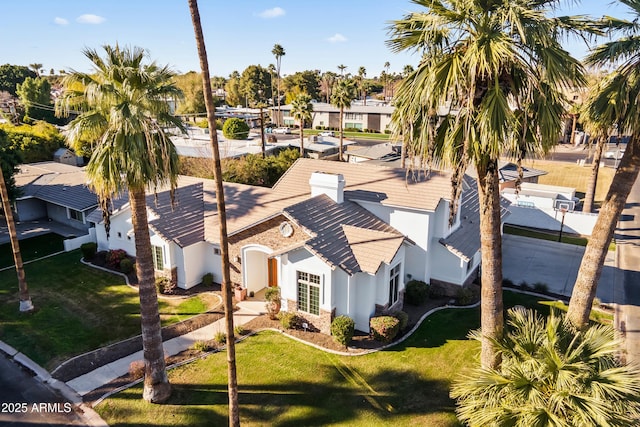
point(247, 311)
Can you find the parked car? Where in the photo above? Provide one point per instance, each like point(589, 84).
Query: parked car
point(282, 130)
point(327, 133)
point(615, 152)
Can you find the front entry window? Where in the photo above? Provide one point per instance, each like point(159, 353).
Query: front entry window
point(309, 293)
point(394, 284)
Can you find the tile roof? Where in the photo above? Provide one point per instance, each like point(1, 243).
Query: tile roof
point(56, 183)
point(371, 247)
point(465, 241)
point(184, 221)
point(326, 221)
point(390, 187)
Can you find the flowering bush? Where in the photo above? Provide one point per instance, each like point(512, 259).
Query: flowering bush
point(384, 328)
point(115, 256)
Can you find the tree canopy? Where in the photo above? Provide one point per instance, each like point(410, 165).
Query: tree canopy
point(35, 96)
point(255, 85)
point(235, 128)
point(11, 75)
point(9, 161)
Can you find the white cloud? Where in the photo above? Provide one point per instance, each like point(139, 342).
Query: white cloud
point(90, 19)
point(337, 38)
point(60, 21)
point(272, 13)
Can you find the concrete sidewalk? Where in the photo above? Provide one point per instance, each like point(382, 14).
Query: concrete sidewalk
point(83, 384)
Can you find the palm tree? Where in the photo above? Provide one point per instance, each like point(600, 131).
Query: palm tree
point(301, 109)
point(551, 375)
point(342, 67)
point(25, 300)
point(385, 79)
point(486, 60)
point(406, 70)
point(342, 97)
point(327, 81)
point(234, 410)
point(621, 91)
point(362, 73)
point(124, 113)
point(278, 52)
point(36, 67)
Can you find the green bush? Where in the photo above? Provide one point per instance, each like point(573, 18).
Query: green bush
point(126, 266)
point(543, 288)
point(89, 250)
point(207, 279)
point(416, 292)
point(34, 143)
point(235, 128)
point(289, 320)
point(403, 318)
point(239, 330)
point(220, 337)
point(342, 329)
point(466, 296)
point(201, 346)
point(384, 328)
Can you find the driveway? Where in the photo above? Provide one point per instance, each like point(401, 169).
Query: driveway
point(555, 264)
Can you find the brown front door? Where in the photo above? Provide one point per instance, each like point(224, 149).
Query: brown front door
point(272, 265)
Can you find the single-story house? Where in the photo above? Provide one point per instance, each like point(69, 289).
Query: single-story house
point(54, 191)
point(337, 238)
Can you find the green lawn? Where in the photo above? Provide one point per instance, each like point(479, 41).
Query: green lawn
point(286, 383)
point(79, 309)
point(32, 248)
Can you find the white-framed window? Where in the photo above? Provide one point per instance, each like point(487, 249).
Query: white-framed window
point(309, 293)
point(394, 284)
point(158, 257)
point(76, 215)
point(353, 116)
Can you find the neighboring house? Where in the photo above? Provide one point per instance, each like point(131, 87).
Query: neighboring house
point(372, 117)
point(337, 238)
point(383, 152)
point(54, 191)
point(68, 157)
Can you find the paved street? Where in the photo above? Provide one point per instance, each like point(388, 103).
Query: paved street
point(19, 392)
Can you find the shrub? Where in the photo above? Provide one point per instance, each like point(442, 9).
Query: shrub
point(342, 329)
point(114, 257)
point(201, 346)
point(220, 337)
point(89, 250)
point(466, 296)
point(136, 369)
point(239, 330)
point(289, 320)
point(543, 288)
point(416, 292)
point(207, 279)
point(235, 128)
point(126, 266)
point(384, 328)
point(164, 285)
point(525, 286)
point(507, 283)
point(403, 318)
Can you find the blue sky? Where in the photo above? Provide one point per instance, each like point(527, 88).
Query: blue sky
point(315, 34)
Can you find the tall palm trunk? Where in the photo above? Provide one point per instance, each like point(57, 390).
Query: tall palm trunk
point(341, 133)
point(301, 137)
point(584, 290)
point(593, 179)
point(25, 300)
point(156, 384)
point(234, 410)
point(492, 320)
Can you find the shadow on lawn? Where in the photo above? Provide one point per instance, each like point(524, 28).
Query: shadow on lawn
point(342, 397)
